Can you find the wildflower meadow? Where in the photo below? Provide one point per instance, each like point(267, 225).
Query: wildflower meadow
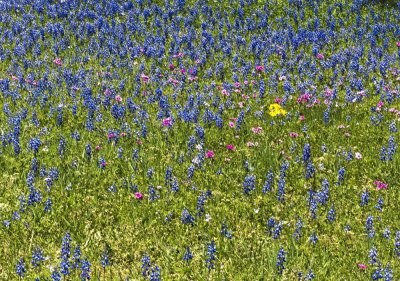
point(199, 140)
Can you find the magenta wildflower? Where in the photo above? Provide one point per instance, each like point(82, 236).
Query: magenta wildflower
point(256, 130)
point(210, 154)
point(320, 56)
point(138, 195)
point(145, 78)
point(230, 147)
point(362, 266)
point(58, 61)
point(260, 68)
point(380, 185)
point(167, 122)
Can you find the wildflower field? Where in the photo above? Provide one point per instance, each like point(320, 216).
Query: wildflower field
point(199, 140)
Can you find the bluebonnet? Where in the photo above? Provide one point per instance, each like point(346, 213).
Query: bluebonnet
point(48, 205)
point(388, 273)
point(280, 261)
point(386, 233)
point(269, 182)
point(341, 174)
point(276, 233)
point(16, 216)
point(364, 198)
point(150, 173)
point(211, 253)
point(373, 256)
point(397, 244)
point(313, 238)
point(61, 146)
point(331, 214)
point(65, 246)
point(310, 275)
point(175, 186)
point(155, 274)
point(225, 231)
point(77, 257)
point(188, 255)
point(377, 273)
point(312, 203)
point(34, 144)
point(201, 202)
point(88, 151)
point(282, 181)
point(37, 257)
point(20, 268)
point(186, 217)
point(146, 265)
point(369, 226)
point(249, 184)
point(190, 171)
point(297, 232)
point(55, 276)
point(271, 224)
point(152, 193)
point(105, 258)
point(379, 204)
point(168, 176)
point(85, 270)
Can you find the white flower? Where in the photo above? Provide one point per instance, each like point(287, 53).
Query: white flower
point(208, 217)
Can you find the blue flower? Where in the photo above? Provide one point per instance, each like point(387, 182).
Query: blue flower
point(188, 255)
point(20, 268)
point(280, 261)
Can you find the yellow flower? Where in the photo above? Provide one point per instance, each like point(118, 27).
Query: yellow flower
point(275, 109)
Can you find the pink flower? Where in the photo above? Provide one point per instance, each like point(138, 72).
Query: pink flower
point(257, 130)
point(293, 135)
point(171, 67)
point(250, 144)
point(320, 56)
point(301, 118)
point(241, 104)
point(167, 122)
point(380, 104)
point(139, 142)
point(183, 71)
point(237, 84)
point(138, 195)
point(278, 100)
point(380, 185)
point(260, 68)
point(210, 154)
point(107, 92)
point(230, 147)
point(98, 147)
point(145, 78)
point(225, 92)
point(231, 124)
point(58, 61)
point(358, 155)
point(362, 266)
point(118, 98)
point(398, 44)
point(111, 135)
